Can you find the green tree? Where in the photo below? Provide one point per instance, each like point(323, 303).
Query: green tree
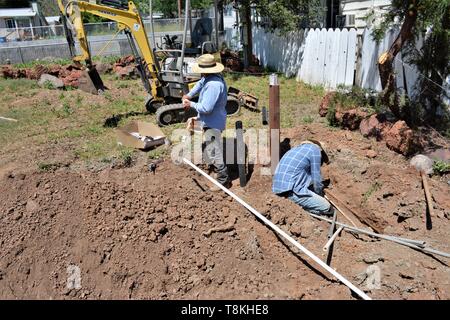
point(169, 8)
point(429, 19)
point(14, 3)
point(282, 15)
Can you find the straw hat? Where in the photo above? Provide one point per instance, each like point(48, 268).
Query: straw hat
point(207, 64)
point(322, 147)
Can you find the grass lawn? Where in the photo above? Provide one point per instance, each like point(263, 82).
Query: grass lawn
point(70, 125)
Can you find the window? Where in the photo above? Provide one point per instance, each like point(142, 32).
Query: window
point(350, 21)
point(10, 24)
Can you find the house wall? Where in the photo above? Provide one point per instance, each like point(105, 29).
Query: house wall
point(2, 23)
point(361, 8)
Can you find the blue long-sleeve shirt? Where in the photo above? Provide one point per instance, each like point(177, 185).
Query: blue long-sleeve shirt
point(298, 169)
point(212, 101)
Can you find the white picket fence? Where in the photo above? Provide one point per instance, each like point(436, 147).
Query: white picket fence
point(316, 56)
point(331, 58)
point(407, 75)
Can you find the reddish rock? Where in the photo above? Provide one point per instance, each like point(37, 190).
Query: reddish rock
point(127, 72)
point(374, 126)
point(371, 154)
point(325, 104)
point(39, 70)
point(350, 119)
point(71, 78)
point(55, 70)
point(400, 138)
point(8, 72)
point(31, 74)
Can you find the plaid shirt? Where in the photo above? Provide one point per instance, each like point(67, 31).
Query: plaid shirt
point(298, 169)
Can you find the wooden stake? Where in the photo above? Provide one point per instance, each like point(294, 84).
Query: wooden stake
point(274, 121)
point(429, 200)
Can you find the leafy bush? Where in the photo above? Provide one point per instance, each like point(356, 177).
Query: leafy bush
point(441, 167)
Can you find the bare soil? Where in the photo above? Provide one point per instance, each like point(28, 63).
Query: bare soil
point(135, 235)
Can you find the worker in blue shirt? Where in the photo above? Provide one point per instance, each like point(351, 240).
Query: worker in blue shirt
point(212, 114)
point(299, 179)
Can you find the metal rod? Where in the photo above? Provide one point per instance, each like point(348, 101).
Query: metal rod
point(333, 225)
point(281, 232)
point(418, 245)
point(183, 48)
point(333, 237)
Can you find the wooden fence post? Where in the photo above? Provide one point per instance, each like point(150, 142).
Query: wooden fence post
point(274, 121)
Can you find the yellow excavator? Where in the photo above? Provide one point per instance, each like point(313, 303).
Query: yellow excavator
point(165, 83)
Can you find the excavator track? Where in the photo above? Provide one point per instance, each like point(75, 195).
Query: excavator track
point(175, 113)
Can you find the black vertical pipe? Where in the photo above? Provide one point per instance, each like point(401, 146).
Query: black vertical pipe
point(241, 154)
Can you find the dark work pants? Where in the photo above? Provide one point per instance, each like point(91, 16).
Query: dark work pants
point(213, 154)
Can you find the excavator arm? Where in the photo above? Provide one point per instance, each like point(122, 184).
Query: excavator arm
point(130, 22)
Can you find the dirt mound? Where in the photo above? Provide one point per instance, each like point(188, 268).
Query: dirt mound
point(136, 235)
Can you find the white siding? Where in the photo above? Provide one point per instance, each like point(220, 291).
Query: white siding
point(362, 8)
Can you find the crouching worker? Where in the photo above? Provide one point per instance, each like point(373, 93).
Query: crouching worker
point(299, 179)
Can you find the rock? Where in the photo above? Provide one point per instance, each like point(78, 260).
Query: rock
point(371, 154)
point(404, 214)
point(371, 259)
point(103, 68)
point(200, 262)
point(52, 80)
point(296, 229)
point(405, 275)
point(127, 72)
point(18, 216)
point(31, 206)
point(350, 119)
point(374, 126)
point(422, 163)
point(415, 224)
point(72, 78)
point(325, 104)
point(160, 228)
point(400, 138)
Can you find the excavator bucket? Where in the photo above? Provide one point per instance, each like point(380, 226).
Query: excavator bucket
point(91, 82)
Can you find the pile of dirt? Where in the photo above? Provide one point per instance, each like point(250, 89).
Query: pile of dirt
point(125, 68)
point(233, 62)
point(134, 234)
point(70, 74)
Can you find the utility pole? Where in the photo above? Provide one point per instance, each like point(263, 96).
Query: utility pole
point(179, 9)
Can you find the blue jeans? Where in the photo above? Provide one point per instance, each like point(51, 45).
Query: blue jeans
point(312, 203)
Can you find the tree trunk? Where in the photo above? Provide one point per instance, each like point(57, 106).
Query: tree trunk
point(386, 61)
point(247, 41)
point(179, 9)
